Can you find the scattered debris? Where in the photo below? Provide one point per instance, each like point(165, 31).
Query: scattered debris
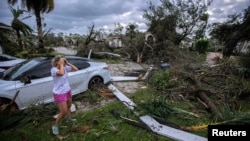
point(81, 129)
point(60, 137)
point(105, 92)
point(187, 112)
point(132, 78)
point(213, 58)
point(8, 106)
point(85, 128)
point(153, 124)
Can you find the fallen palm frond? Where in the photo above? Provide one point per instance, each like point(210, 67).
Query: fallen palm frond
point(36, 114)
point(243, 119)
point(156, 107)
point(186, 112)
point(160, 108)
point(116, 114)
point(10, 121)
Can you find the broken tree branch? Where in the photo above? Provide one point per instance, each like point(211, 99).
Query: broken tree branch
point(206, 99)
point(5, 106)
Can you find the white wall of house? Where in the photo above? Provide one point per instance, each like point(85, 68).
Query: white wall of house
point(115, 42)
point(243, 47)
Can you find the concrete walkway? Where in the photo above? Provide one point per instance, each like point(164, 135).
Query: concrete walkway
point(120, 70)
point(65, 50)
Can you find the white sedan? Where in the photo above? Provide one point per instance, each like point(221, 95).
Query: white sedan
point(8, 61)
point(32, 79)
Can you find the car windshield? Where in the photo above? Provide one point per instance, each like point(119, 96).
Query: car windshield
point(19, 69)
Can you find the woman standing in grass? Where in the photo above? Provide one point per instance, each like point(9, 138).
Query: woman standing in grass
point(61, 89)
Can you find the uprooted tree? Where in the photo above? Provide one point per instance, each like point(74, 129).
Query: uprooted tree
point(214, 89)
point(94, 40)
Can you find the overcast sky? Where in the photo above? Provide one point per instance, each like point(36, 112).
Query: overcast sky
point(74, 16)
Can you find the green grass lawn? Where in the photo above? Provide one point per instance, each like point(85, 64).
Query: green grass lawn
point(102, 125)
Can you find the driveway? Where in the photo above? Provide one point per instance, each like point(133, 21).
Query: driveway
point(120, 69)
point(125, 87)
point(65, 50)
point(123, 69)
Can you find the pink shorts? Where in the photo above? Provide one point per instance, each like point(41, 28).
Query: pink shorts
point(58, 98)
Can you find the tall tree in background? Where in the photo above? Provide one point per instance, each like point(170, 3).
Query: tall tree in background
point(235, 30)
point(174, 20)
point(118, 30)
point(131, 31)
point(19, 26)
point(5, 31)
point(240, 34)
point(37, 7)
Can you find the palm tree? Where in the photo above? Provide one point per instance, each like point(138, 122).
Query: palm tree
point(19, 26)
point(5, 31)
point(37, 7)
point(131, 31)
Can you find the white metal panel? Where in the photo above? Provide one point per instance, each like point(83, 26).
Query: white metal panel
point(130, 104)
point(123, 78)
point(170, 132)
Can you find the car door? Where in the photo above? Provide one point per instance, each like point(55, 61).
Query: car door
point(79, 80)
point(40, 88)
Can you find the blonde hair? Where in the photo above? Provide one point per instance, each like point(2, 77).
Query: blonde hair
point(55, 60)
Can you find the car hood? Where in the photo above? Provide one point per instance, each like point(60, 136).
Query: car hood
point(11, 63)
point(2, 70)
point(4, 83)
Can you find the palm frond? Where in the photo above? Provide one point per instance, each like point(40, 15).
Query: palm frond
point(240, 119)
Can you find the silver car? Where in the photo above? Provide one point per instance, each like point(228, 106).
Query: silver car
point(32, 79)
point(8, 61)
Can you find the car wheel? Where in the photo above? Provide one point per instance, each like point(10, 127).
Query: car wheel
point(95, 83)
point(5, 105)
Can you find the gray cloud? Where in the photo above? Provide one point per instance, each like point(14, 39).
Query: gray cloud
point(75, 16)
point(221, 9)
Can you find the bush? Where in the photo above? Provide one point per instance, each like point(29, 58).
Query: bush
point(201, 45)
point(245, 66)
point(160, 80)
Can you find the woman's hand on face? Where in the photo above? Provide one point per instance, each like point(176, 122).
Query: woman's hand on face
point(61, 61)
point(66, 61)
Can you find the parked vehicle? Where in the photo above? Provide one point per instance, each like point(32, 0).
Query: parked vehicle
point(32, 78)
point(8, 61)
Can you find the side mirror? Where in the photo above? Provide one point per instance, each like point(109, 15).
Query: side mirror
point(25, 80)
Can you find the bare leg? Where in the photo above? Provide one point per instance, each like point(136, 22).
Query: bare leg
point(68, 114)
point(63, 111)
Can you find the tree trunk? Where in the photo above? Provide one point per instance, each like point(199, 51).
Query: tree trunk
point(207, 100)
point(19, 38)
point(139, 58)
point(240, 35)
point(40, 32)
